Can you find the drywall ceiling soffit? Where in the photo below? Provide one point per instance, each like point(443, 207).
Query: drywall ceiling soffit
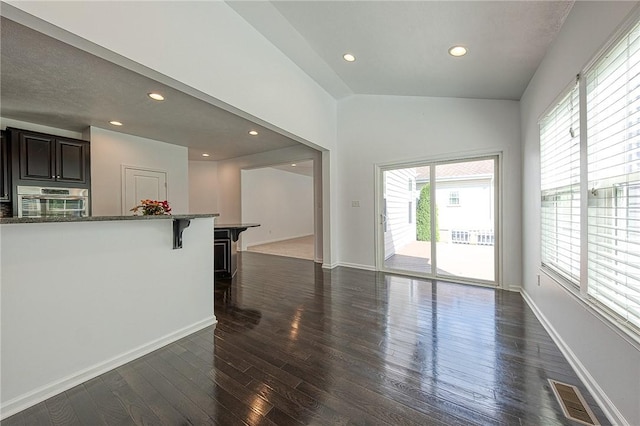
point(402, 46)
point(46, 81)
point(301, 167)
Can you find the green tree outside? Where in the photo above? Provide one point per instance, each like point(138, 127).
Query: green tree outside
point(423, 216)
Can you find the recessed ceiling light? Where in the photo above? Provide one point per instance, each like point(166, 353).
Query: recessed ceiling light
point(253, 133)
point(457, 51)
point(293, 165)
point(156, 96)
point(115, 123)
point(349, 57)
point(206, 155)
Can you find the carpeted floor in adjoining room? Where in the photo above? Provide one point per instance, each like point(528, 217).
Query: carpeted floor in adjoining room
point(300, 248)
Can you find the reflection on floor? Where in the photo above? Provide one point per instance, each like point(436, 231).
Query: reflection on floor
point(299, 344)
point(300, 248)
point(352, 346)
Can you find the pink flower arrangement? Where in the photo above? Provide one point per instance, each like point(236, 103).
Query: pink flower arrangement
point(152, 207)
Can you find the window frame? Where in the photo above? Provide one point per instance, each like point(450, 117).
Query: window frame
point(612, 286)
point(451, 197)
point(628, 331)
point(568, 277)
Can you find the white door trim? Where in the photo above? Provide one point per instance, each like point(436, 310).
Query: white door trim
point(380, 168)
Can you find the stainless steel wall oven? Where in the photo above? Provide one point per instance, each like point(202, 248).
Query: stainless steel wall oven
point(35, 201)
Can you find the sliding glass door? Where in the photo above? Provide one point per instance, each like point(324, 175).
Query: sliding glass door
point(406, 245)
point(439, 220)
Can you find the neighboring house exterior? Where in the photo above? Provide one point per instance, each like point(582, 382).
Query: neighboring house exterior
point(399, 207)
point(465, 200)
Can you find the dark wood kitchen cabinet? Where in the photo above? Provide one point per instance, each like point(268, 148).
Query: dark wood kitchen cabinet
point(5, 175)
point(225, 250)
point(224, 254)
point(48, 160)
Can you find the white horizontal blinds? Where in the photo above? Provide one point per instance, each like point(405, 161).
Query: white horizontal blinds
point(613, 161)
point(560, 188)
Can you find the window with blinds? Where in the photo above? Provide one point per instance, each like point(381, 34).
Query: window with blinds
point(560, 188)
point(613, 173)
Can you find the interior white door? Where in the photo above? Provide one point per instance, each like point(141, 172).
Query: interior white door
point(142, 184)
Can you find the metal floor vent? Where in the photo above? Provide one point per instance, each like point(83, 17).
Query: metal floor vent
point(573, 404)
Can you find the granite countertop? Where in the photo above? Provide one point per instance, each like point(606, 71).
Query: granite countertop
point(235, 225)
point(53, 219)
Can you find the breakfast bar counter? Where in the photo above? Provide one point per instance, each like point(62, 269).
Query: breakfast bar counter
point(82, 296)
point(58, 219)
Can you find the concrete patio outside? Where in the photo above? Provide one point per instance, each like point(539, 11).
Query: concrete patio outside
point(462, 260)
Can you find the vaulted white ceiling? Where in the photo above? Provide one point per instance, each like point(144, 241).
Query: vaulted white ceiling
point(400, 48)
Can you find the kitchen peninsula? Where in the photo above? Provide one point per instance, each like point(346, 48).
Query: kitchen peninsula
point(226, 250)
point(81, 296)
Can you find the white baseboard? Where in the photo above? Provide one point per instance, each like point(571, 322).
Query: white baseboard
point(330, 265)
point(357, 266)
point(42, 393)
point(590, 383)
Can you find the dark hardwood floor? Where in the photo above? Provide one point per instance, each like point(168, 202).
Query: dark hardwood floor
point(296, 344)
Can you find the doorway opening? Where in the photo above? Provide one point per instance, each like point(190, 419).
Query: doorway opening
point(440, 220)
point(283, 199)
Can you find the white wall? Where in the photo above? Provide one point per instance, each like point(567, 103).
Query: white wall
point(385, 129)
point(205, 45)
point(280, 201)
point(607, 363)
point(203, 187)
point(229, 189)
point(229, 183)
point(111, 150)
point(90, 304)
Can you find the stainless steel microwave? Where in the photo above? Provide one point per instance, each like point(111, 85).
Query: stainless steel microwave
point(35, 201)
